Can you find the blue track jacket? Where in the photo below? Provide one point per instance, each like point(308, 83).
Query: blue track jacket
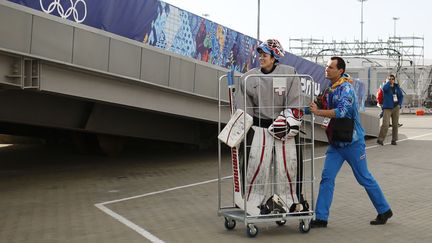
point(388, 95)
point(344, 101)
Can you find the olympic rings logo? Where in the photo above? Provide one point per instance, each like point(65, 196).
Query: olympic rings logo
point(72, 10)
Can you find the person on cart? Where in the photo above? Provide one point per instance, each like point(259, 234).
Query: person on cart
point(274, 104)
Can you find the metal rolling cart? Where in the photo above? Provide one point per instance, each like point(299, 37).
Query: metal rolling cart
point(236, 209)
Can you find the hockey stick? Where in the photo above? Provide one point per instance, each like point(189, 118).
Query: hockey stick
point(238, 199)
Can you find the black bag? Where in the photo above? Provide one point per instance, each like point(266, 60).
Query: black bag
point(340, 130)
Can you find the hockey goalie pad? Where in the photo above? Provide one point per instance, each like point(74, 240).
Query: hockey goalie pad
point(262, 182)
point(258, 179)
point(236, 128)
point(287, 124)
point(285, 161)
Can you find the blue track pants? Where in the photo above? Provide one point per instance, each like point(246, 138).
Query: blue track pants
point(355, 155)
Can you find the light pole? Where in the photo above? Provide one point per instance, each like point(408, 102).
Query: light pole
point(394, 27)
point(258, 19)
point(361, 23)
point(394, 31)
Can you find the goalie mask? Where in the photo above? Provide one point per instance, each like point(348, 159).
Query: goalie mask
point(287, 124)
point(272, 47)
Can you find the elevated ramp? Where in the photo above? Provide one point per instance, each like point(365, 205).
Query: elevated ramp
point(61, 74)
point(56, 73)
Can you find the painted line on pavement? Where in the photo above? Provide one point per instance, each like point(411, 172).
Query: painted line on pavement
point(129, 223)
point(152, 237)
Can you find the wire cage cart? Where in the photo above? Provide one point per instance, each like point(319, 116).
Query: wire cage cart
point(270, 180)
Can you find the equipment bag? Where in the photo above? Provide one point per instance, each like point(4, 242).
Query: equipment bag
point(340, 130)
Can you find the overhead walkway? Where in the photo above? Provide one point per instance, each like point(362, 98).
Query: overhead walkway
point(55, 73)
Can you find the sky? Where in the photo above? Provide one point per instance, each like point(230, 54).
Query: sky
point(327, 20)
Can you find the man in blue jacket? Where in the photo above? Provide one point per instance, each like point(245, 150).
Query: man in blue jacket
point(342, 103)
point(392, 102)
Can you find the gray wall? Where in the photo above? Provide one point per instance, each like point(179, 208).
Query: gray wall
point(90, 64)
point(47, 37)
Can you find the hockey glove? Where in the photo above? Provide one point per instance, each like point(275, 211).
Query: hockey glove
point(279, 129)
point(287, 124)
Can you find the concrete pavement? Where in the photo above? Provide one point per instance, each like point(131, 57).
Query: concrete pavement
point(49, 195)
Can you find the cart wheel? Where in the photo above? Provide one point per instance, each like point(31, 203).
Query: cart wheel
point(251, 230)
point(230, 223)
point(281, 223)
point(304, 226)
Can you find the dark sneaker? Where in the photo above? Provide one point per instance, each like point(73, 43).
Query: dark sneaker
point(380, 142)
point(393, 143)
point(382, 218)
point(318, 223)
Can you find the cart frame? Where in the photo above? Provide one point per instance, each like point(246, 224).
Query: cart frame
point(233, 213)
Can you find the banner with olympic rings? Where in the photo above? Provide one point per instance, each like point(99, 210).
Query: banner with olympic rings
point(159, 24)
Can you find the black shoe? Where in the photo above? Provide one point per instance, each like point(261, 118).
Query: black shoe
point(400, 124)
point(318, 223)
point(393, 143)
point(382, 218)
point(380, 142)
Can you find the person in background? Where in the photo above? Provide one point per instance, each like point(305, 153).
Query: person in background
point(380, 98)
point(392, 102)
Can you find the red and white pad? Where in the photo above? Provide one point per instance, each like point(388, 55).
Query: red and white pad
point(262, 183)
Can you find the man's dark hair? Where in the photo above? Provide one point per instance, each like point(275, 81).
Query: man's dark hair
point(340, 63)
point(392, 76)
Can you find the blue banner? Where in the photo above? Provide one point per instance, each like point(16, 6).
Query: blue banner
point(165, 26)
point(126, 18)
